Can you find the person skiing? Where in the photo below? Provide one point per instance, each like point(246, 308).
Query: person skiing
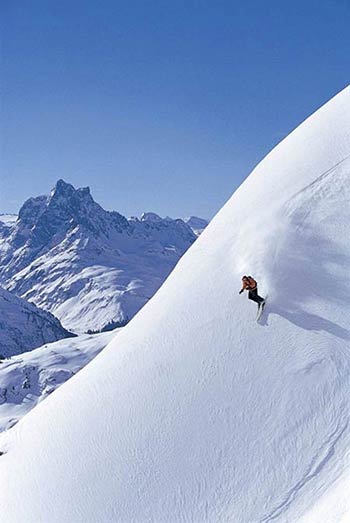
point(250, 285)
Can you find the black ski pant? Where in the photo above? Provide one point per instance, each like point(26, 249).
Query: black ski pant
point(253, 295)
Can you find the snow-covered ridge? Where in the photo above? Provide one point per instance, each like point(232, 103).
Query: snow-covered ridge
point(8, 219)
point(24, 327)
point(87, 266)
point(201, 413)
point(27, 379)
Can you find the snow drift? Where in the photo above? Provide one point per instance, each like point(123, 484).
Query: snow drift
point(196, 412)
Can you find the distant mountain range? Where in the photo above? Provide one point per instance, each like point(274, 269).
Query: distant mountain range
point(89, 267)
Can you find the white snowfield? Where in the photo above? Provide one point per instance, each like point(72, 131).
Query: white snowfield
point(202, 414)
point(28, 378)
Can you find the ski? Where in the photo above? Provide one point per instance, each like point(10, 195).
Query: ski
point(260, 311)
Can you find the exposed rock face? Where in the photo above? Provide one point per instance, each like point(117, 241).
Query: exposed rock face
point(197, 224)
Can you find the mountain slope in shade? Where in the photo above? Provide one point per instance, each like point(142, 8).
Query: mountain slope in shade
point(202, 414)
point(87, 266)
point(197, 224)
point(24, 327)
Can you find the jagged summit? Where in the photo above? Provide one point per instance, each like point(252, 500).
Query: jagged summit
point(63, 188)
point(201, 413)
point(64, 208)
point(150, 217)
point(88, 266)
point(67, 193)
point(44, 220)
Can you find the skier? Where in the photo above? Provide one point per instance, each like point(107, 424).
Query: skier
point(249, 284)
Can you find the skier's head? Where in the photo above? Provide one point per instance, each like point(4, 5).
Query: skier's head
point(244, 278)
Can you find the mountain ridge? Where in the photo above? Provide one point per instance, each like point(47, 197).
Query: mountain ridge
point(24, 327)
point(69, 256)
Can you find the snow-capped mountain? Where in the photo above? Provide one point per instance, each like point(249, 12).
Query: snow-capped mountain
point(197, 224)
point(27, 379)
point(87, 266)
point(7, 219)
point(24, 327)
point(196, 412)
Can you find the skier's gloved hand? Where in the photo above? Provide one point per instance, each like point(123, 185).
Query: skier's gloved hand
point(240, 292)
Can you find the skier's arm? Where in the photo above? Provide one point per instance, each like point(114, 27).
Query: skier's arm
point(244, 286)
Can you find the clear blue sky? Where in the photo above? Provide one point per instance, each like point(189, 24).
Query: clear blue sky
point(159, 106)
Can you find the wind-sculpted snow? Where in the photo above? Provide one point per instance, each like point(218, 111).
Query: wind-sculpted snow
point(24, 327)
point(87, 266)
point(202, 414)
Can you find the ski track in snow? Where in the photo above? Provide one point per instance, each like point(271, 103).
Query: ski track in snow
point(316, 466)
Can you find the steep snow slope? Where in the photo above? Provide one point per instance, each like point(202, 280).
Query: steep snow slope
point(202, 414)
point(27, 379)
point(24, 327)
point(85, 265)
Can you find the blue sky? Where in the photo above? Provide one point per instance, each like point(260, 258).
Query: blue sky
point(159, 106)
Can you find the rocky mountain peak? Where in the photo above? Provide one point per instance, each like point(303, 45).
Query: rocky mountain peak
point(70, 200)
point(196, 222)
point(150, 217)
point(67, 192)
point(62, 188)
point(44, 217)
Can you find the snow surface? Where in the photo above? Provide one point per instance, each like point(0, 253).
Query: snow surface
point(27, 379)
point(202, 414)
